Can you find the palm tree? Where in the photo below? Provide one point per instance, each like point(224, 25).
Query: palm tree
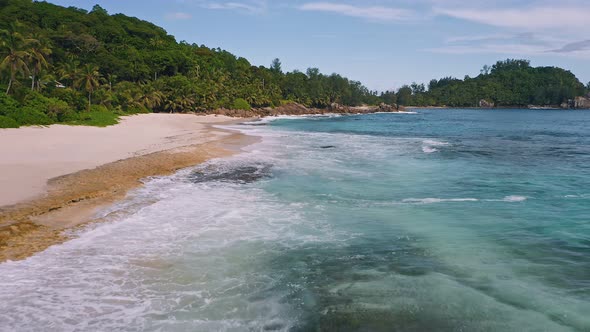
point(69, 70)
point(43, 79)
point(38, 55)
point(89, 80)
point(111, 78)
point(14, 46)
point(151, 99)
point(180, 104)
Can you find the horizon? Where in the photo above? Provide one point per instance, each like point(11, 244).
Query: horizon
point(431, 30)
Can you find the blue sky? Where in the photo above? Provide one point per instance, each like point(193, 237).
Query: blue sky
point(382, 43)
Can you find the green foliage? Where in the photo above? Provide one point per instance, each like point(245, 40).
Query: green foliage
point(97, 58)
point(7, 104)
point(55, 109)
point(241, 104)
point(65, 61)
point(276, 66)
point(507, 83)
point(28, 116)
point(98, 116)
point(6, 122)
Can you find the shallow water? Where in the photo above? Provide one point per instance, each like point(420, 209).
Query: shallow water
point(447, 220)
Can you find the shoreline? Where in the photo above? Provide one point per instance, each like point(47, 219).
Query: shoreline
point(496, 108)
point(72, 200)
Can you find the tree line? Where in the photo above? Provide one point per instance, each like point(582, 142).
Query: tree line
point(71, 64)
point(512, 82)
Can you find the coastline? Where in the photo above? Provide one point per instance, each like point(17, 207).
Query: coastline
point(534, 108)
point(68, 201)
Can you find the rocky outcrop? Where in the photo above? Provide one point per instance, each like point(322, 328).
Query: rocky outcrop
point(577, 103)
point(582, 103)
point(383, 107)
point(486, 104)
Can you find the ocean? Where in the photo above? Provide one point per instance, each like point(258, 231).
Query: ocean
point(436, 220)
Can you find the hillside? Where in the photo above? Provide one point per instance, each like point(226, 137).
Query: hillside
point(70, 65)
point(507, 83)
point(75, 66)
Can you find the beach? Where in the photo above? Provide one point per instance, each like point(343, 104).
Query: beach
point(57, 177)
point(433, 220)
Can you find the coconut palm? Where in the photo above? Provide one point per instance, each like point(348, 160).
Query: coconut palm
point(69, 71)
point(14, 49)
point(89, 80)
point(180, 104)
point(39, 51)
point(111, 78)
point(43, 79)
point(151, 99)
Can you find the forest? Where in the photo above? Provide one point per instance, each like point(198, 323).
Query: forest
point(508, 83)
point(70, 65)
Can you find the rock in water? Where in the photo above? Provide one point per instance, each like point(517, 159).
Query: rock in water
point(486, 104)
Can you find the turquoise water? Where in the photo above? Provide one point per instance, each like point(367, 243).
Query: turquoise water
point(446, 220)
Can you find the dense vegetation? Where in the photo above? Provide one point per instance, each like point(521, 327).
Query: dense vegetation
point(507, 83)
point(70, 65)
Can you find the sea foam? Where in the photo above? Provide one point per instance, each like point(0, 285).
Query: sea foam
point(515, 198)
point(430, 146)
point(430, 200)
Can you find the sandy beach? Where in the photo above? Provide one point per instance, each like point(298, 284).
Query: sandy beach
point(57, 177)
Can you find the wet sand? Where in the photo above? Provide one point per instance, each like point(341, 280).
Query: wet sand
point(57, 178)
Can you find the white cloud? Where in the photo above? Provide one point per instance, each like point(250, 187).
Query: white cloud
point(178, 16)
point(255, 6)
point(578, 46)
point(539, 29)
point(532, 18)
point(510, 50)
point(492, 48)
point(377, 13)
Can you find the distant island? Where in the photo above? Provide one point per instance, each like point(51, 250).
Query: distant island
point(511, 83)
point(69, 65)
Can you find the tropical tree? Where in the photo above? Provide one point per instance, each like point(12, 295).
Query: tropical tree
point(89, 80)
point(69, 70)
point(39, 51)
point(15, 54)
point(179, 104)
point(151, 99)
point(111, 78)
point(43, 79)
point(276, 66)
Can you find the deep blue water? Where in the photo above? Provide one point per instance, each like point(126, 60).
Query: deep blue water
point(442, 220)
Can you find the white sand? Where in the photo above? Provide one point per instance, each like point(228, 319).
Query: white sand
point(30, 156)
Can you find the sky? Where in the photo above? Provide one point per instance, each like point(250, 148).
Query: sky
point(382, 43)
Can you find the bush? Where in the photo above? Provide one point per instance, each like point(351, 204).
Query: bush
point(24, 116)
point(69, 116)
point(74, 98)
point(6, 122)
point(98, 116)
point(241, 104)
point(29, 116)
point(7, 104)
point(54, 108)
